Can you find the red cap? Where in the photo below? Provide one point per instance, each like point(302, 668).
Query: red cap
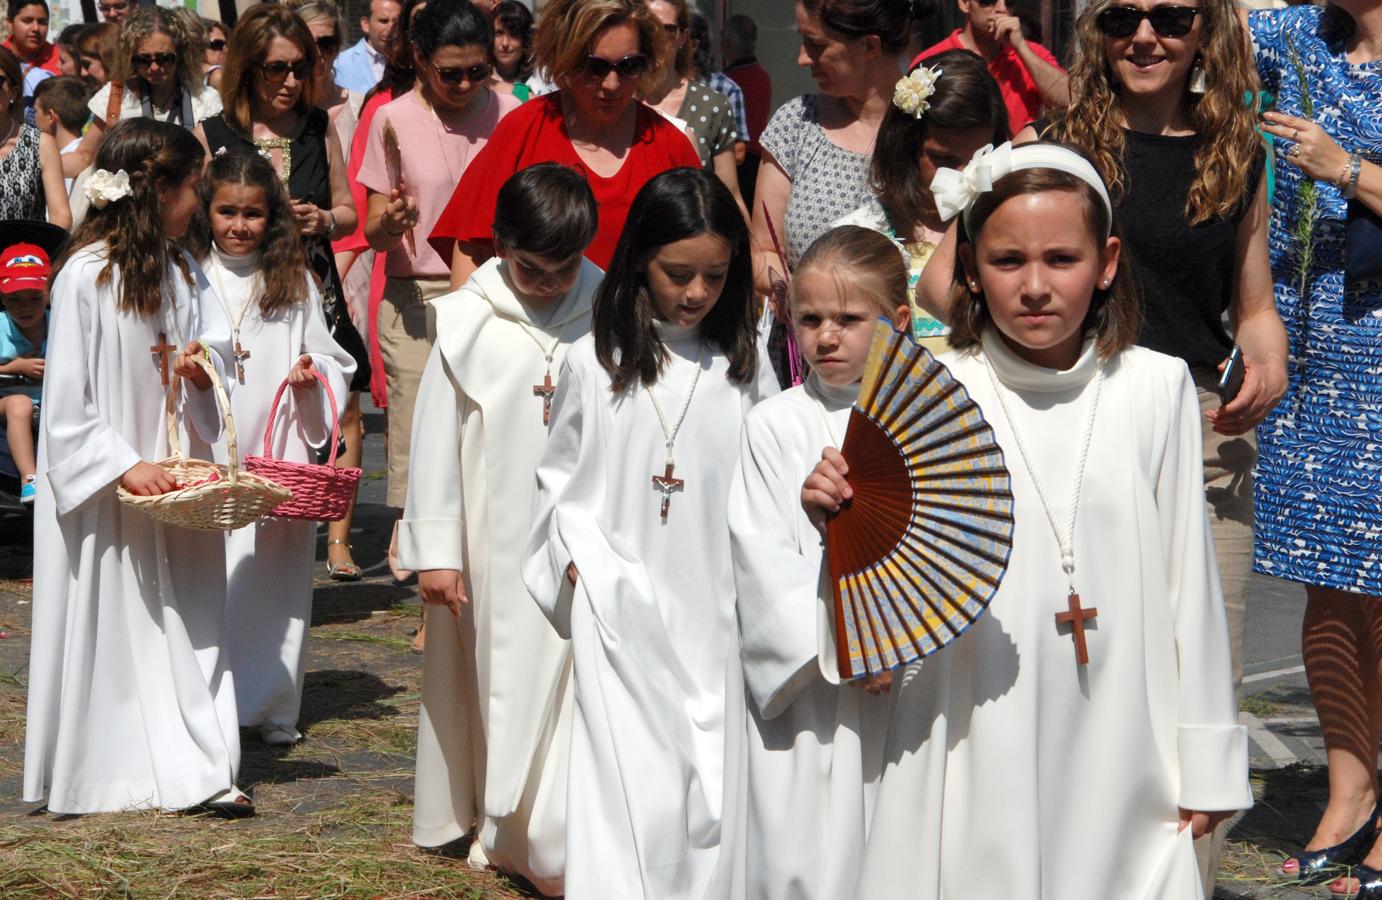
point(24, 267)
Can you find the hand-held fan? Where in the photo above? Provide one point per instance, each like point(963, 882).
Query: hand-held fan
point(918, 553)
point(393, 165)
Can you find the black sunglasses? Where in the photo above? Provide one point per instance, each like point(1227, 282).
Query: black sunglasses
point(328, 43)
point(631, 66)
point(1167, 20)
point(278, 70)
point(473, 74)
point(164, 60)
point(217, 44)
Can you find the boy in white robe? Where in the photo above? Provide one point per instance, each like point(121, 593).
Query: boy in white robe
point(494, 730)
point(811, 751)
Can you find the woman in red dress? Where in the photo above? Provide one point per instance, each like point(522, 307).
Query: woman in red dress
point(598, 53)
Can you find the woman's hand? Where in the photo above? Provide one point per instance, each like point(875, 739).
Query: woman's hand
point(1264, 384)
point(301, 375)
point(313, 221)
point(825, 489)
point(1312, 150)
point(442, 587)
point(874, 685)
point(185, 366)
point(401, 214)
point(1202, 823)
point(147, 480)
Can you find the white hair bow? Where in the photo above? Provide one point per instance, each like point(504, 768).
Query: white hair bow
point(954, 190)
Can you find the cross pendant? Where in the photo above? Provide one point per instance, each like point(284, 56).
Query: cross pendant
point(545, 391)
point(1075, 617)
point(241, 354)
point(666, 485)
point(160, 353)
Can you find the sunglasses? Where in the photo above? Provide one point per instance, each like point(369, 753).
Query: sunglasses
point(218, 44)
point(472, 74)
point(277, 71)
point(328, 43)
point(164, 60)
point(1167, 20)
point(631, 66)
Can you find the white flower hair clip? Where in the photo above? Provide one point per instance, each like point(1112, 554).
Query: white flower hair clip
point(104, 187)
point(913, 91)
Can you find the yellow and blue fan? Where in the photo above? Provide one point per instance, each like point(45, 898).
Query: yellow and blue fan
point(917, 554)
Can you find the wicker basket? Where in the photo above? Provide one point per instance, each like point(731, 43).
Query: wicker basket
point(210, 497)
point(321, 493)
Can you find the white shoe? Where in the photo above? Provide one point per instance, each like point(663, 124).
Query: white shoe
point(477, 859)
point(279, 735)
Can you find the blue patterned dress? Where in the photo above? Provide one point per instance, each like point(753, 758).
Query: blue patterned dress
point(1319, 483)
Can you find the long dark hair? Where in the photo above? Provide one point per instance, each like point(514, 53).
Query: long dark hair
point(282, 260)
point(155, 155)
point(516, 20)
point(676, 205)
point(450, 23)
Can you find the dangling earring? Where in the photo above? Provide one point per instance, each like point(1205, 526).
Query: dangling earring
point(1199, 83)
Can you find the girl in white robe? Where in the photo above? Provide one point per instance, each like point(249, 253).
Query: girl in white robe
point(1074, 740)
point(805, 736)
point(131, 704)
point(629, 555)
point(494, 728)
point(256, 268)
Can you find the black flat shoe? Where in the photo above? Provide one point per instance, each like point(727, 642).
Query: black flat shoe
point(1319, 866)
point(229, 804)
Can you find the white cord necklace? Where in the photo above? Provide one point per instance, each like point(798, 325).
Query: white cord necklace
point(1075, 616)
point(548, 387)
point(240, 353)
point(666, 484)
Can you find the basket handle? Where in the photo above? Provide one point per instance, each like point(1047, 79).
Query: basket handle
point(203, 360)
point(335, 418)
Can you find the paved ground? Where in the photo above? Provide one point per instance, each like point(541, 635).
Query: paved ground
point(360, 715)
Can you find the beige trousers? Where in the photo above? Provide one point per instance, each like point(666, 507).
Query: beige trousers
point(406, 329)
point(1228, 466)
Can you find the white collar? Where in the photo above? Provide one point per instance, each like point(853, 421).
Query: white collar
point(1019, 375)
point(832, 397)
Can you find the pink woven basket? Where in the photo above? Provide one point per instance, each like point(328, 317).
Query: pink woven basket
point(321, 493)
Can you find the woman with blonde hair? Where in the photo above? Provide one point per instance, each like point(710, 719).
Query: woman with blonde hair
point(600, 54)
point(159, 72)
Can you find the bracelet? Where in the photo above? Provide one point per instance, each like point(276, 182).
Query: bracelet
point(331, 229)
point(1348, 179)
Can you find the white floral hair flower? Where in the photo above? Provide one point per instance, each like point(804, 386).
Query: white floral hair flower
point(104, 187)
point(913, 91)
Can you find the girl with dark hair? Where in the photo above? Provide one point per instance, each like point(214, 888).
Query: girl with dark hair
point(257, 271)
point(513, 49)
point(441, 124)
point(1104, 649)
point(130, 698)
point(942, 112)
point(629, 555)
point(494, 733)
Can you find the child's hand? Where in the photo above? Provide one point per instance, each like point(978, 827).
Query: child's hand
point(875, 685)
point(826, 489)
point(30, 367)
point(401, 215)
point(300, 375)
point(571, 574)
point(442, 587)
point(147, 480)
point(1202, 823)
point(185, 365)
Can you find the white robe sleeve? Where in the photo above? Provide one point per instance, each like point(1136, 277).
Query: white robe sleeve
point(777, 585)
point(546, 557)
point(432, 531)
point(1212, 746)
point(204, 419)
point(336, 365)
point(85, 455)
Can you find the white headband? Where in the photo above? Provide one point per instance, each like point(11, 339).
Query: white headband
point(955, 192)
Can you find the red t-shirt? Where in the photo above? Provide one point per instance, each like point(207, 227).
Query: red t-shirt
point(534, 133)
point(1019, 89)
point(47, 58)
point(757, 86)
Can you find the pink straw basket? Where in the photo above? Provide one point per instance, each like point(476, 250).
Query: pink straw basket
point(321, 493)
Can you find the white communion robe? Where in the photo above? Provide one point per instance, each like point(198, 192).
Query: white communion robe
point(1013, 772)
point(494, 730)
point(808, 750)
point(131, 704)
point(651, 618)
point(269, 562)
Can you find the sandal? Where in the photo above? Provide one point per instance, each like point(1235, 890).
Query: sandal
point(1320, 866)
point(231, 803)
point(343, 571)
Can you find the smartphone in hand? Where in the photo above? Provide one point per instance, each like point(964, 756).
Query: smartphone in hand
point(1231, 379)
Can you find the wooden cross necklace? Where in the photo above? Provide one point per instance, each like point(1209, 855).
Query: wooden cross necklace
point(548, 388)
point(667, 484)
point(1075, 615)
point(162, 350)
point(240, 353)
